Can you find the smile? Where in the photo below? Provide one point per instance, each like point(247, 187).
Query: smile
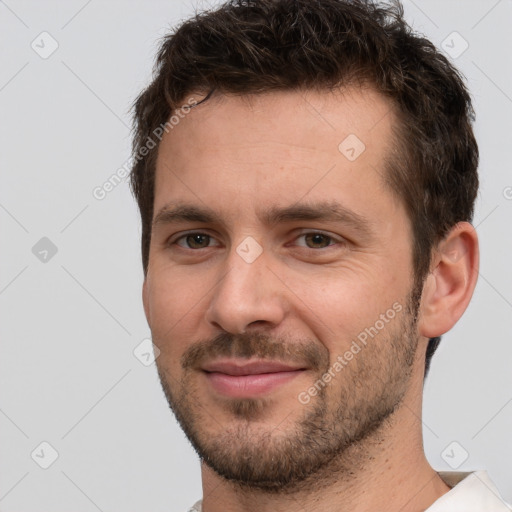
point(239, 379)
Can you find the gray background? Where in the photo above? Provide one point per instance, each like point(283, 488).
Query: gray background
point(70, 323)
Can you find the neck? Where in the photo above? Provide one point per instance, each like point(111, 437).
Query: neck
point(387, 471)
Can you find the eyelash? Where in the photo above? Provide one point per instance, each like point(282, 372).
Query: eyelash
point(191, 233)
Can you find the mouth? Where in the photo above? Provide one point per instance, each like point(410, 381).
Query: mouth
point(244, 379)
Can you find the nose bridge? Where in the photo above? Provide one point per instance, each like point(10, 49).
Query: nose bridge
point(248, 292)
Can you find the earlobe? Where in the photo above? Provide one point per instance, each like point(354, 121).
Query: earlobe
point(450, 285)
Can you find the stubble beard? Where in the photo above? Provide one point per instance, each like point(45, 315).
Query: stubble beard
point(333, 434)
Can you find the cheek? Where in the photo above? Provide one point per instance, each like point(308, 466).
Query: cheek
point(339, 306)
point(175, 301)
point(335, 311)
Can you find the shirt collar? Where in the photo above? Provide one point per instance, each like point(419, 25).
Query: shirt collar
point(471, 491)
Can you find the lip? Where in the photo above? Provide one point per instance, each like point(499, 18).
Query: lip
point(243, 379)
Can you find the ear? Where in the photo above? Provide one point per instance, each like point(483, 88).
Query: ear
point(452, 279)
point(145, 299)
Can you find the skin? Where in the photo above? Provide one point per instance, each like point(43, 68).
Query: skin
point(238, 156)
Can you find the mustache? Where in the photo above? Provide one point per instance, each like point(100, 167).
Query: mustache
point(260, 345)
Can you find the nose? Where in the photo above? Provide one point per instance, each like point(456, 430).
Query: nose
point(247, 296)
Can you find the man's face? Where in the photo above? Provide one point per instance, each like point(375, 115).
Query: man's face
point(284, 339)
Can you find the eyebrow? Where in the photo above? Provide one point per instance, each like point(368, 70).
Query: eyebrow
point(318, 211)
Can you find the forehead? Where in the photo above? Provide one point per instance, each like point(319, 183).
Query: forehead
point(232, 152)
point(285, 116)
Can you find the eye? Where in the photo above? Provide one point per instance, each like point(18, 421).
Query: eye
point(193, 241)
point(317, 240)
point(198, 240)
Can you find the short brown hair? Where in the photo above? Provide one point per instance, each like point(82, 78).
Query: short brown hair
point(251, 46)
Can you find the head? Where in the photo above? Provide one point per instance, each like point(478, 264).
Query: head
point(260, 113)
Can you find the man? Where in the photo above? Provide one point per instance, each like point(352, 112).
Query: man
point(306, 241)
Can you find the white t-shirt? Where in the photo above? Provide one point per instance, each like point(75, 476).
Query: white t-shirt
point(471, 491)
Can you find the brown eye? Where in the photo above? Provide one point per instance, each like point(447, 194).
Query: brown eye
point(316, 240)
point(197, 241)
point(194, 241)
